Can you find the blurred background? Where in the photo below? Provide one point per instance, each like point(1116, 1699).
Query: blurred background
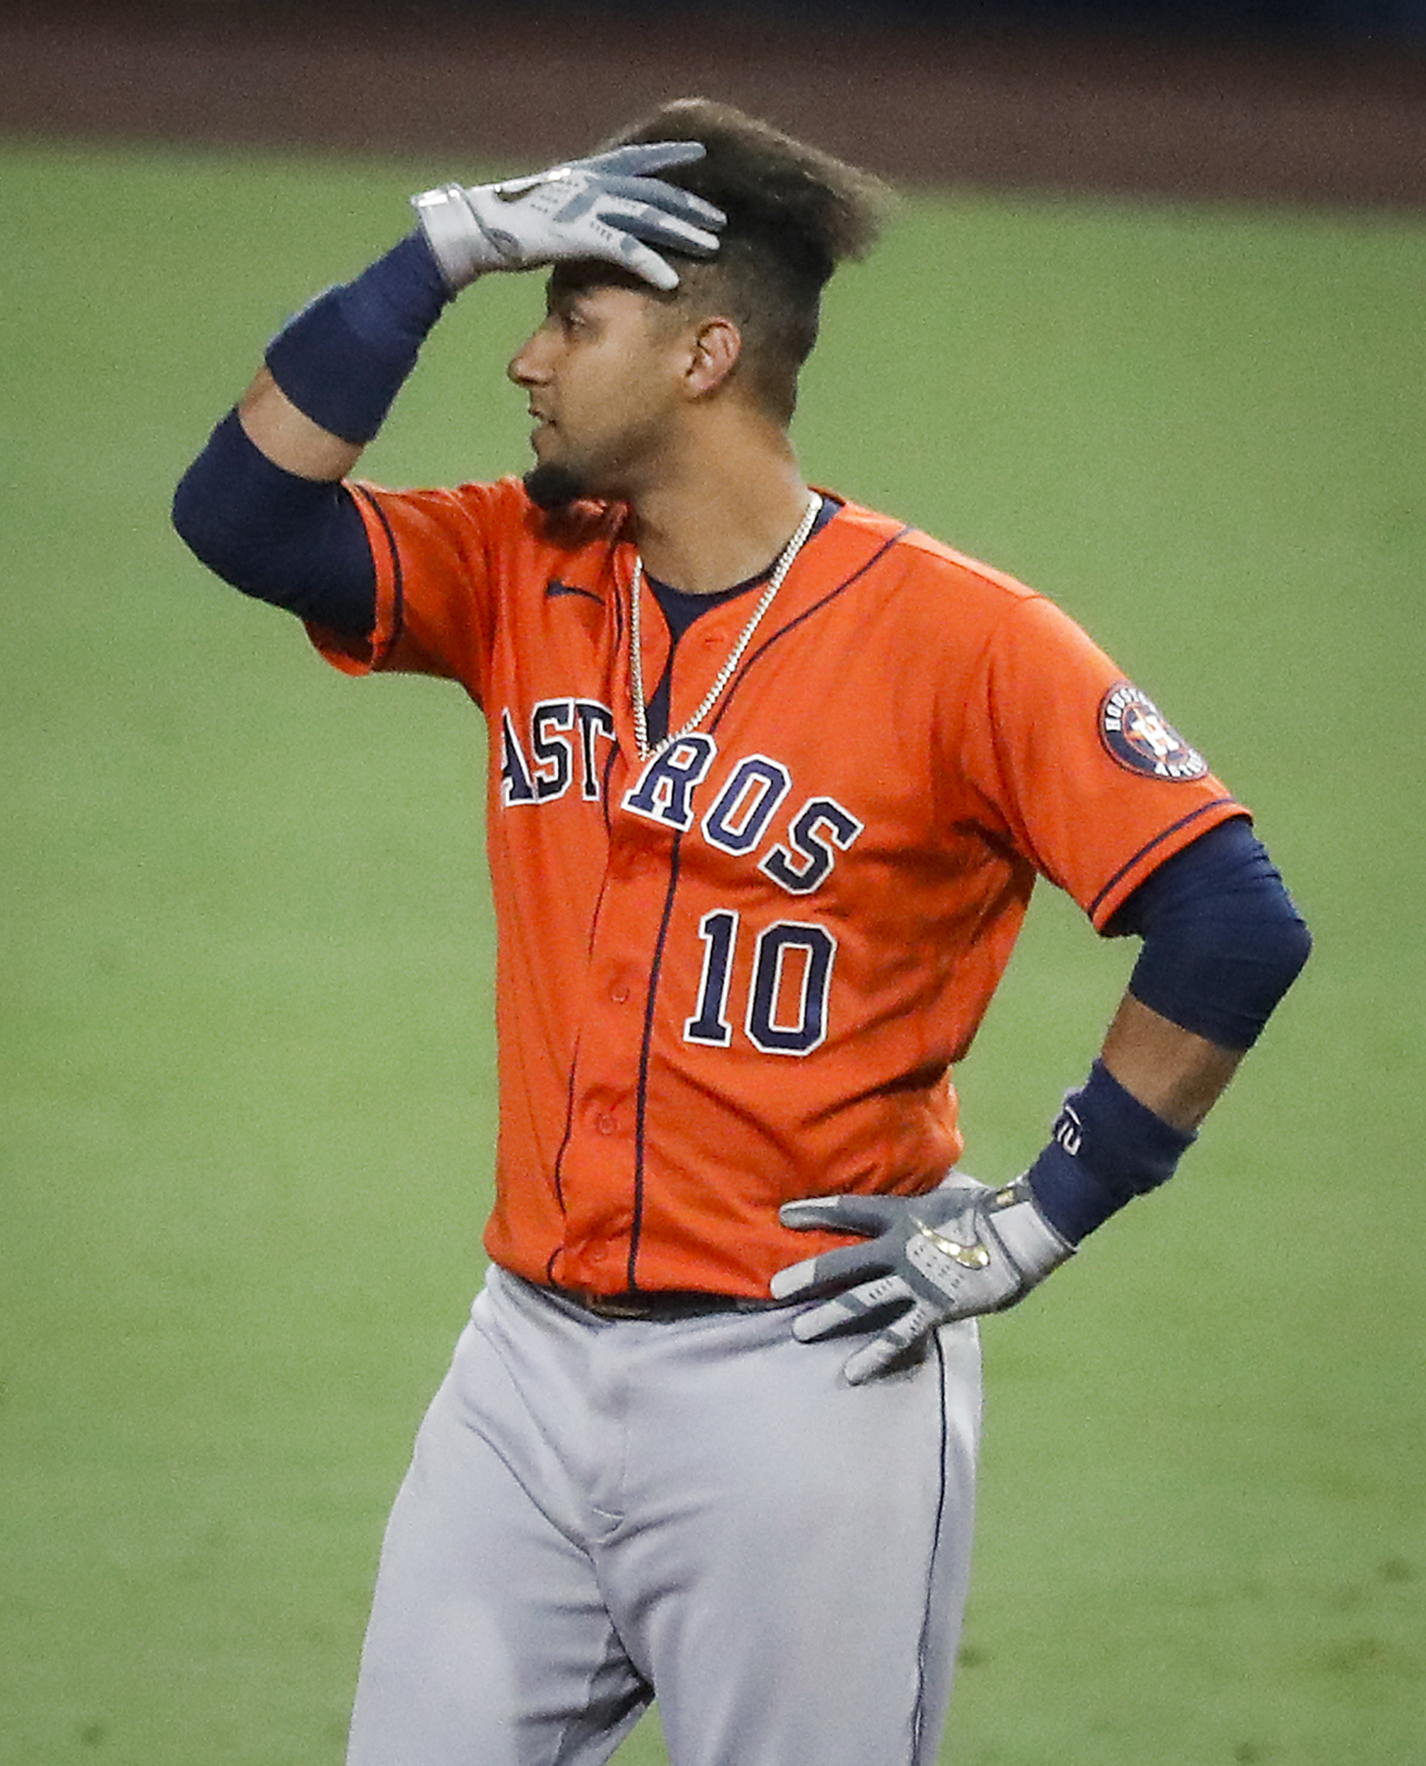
point(1147, 333)
point(1298, 99)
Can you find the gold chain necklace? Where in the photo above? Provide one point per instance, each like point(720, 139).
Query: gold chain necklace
point(735, 655)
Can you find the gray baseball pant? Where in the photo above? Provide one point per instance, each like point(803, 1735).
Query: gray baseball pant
point(598, 1512)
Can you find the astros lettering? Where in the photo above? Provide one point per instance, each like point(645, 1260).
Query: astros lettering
point(563, 751)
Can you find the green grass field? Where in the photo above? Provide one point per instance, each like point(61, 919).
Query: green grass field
point(245, 1069)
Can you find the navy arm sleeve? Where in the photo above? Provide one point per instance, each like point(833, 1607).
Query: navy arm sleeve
point(1222, 943)
point(298, 543)
point(1223, 940)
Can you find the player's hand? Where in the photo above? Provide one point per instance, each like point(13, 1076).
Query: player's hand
point(610, 207)
point(960, 1250)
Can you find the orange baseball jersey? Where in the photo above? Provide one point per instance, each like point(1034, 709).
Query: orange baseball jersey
point(743, 971)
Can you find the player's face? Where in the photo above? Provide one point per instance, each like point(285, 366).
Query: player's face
point(602, 376)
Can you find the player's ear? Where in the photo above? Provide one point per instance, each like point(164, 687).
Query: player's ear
point(717, 346)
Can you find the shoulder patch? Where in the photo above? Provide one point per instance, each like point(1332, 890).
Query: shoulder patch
point(1135, 735)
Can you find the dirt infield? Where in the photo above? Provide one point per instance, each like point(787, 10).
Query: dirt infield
point(1002, 110)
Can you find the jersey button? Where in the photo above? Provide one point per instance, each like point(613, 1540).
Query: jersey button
point(606, 1125)
point(596, 1253)
point(619, 993)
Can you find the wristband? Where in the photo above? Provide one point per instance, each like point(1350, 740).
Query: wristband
point(343, 358)
point(1105, 1149)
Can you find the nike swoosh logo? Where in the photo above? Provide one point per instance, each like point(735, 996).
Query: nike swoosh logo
point(555, 587)
point(972, 1256)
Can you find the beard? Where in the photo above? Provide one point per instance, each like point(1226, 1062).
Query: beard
point(551, 486)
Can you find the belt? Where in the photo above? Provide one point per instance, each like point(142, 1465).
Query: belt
point(659, 1305)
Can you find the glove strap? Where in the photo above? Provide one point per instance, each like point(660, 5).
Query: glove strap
point(1030, 1240)
point(1105, 1149)
point(455, 236)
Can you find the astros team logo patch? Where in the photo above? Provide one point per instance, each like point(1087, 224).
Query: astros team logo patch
point(1133, 731)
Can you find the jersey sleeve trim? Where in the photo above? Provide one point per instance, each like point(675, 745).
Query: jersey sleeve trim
point(390, 579)
point(1130, 874)
point(361, 653)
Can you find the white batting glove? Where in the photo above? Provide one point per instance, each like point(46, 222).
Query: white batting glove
point(961, 1250)
point(608, 207)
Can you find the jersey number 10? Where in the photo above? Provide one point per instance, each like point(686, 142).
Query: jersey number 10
point(787, 1000)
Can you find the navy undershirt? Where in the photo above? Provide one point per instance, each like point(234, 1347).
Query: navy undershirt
point(680, 610)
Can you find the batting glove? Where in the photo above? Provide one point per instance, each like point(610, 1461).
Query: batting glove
point(961, 1250)
point(608, 207)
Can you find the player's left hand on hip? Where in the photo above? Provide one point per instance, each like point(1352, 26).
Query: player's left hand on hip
point(962, 1249)
point(610, 207)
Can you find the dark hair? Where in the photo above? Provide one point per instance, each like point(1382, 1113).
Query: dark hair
point(794, 213)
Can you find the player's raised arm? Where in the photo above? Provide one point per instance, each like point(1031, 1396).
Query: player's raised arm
point(261, 506)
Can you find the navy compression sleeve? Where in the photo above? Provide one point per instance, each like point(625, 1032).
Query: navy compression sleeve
point(1223, 940)
point(1222, 943)
point(297, 543)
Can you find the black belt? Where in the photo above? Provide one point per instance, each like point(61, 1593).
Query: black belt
point(660, 1305)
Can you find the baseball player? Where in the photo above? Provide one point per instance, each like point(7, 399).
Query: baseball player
point(771, 778)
